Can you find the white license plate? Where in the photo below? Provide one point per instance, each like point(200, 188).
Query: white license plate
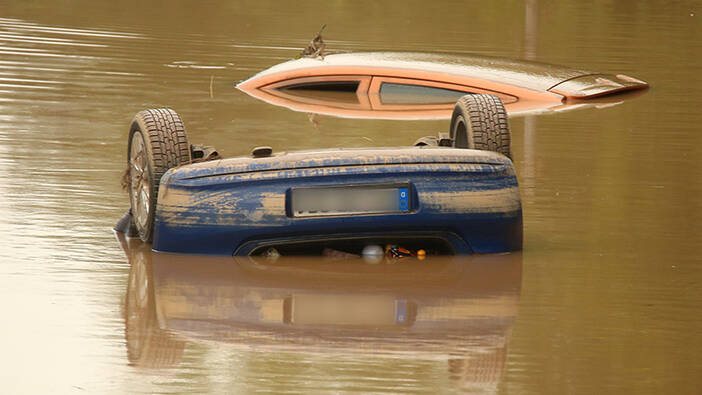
point(349, 200)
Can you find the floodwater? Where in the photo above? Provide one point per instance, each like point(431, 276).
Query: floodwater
point(604, 298)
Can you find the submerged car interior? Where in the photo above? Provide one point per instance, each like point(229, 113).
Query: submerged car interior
point(356, 246)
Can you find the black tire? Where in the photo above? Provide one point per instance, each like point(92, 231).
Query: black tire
point(480, 122)
point(157, 142)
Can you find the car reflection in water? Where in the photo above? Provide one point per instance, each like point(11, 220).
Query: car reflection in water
point(457, 308)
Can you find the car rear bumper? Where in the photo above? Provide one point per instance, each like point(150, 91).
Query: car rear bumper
point(467, 198)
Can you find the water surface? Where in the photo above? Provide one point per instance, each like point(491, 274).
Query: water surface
point(609, 283)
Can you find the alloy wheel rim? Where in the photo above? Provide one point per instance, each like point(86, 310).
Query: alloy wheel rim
point(140, 185)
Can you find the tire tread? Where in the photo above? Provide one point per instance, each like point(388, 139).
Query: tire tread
point(168, 147)
point(487, 120)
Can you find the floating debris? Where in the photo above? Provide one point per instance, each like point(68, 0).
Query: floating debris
point(316, 47)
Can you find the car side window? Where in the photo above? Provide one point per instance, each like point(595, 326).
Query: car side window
point(336, 89)
point(394, 93)
point(335, 86)
point(330, 91)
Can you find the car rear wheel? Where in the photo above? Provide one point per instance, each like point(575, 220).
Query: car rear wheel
point(157, 142)
point(480, 122)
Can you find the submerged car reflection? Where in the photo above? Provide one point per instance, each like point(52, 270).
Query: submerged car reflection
point(457, 309)
point(425, 85)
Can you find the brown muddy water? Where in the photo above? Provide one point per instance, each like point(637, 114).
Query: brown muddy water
point(604, 298)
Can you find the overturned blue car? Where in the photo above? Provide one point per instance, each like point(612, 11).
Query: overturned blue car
point(454, 193)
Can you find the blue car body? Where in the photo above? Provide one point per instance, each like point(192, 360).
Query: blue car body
point(459, 201)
